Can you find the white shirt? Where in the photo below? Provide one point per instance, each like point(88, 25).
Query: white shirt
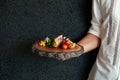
point(106, 25)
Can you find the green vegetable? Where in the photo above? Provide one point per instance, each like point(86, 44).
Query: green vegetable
point(48, 42)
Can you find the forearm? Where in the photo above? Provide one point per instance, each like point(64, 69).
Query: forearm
point(89, 42)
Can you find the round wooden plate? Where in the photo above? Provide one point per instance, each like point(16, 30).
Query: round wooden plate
point(57, 52)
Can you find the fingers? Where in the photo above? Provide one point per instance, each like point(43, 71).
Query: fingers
point(63, 57)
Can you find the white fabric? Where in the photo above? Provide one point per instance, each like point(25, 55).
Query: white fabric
point(107, 62)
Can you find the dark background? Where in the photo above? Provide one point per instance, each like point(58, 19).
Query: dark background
point(22, 22)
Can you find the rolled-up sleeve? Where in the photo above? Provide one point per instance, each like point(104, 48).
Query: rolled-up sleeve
point(96, 18)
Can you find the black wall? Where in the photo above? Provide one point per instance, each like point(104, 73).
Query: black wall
point(22, 22)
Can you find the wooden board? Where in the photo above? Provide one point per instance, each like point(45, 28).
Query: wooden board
point(57, 52)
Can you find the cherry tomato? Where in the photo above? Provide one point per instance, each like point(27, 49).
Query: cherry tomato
point(72, 45)
point(69, 46)
point(64, 46)
point(67, 42)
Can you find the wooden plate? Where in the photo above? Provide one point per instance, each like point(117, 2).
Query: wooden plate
point(56, 52)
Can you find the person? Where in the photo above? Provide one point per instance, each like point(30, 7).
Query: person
point(104, 32)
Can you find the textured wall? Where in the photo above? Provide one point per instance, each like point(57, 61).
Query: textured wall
point(22, 22)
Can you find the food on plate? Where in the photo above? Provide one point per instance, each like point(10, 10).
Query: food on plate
point(57, 41)
point(48, 41)
point(68, 43)
point(60, 41)
point(42, 43)
point(64, 46)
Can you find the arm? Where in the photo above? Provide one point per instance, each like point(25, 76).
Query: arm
point(92, 39)
point(89, 42)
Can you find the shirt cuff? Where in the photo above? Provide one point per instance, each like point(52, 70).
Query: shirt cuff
point(94, 32)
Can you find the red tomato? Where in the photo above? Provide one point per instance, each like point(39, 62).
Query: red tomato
point(69, 46)
point(67, 42)
point(64, 46)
